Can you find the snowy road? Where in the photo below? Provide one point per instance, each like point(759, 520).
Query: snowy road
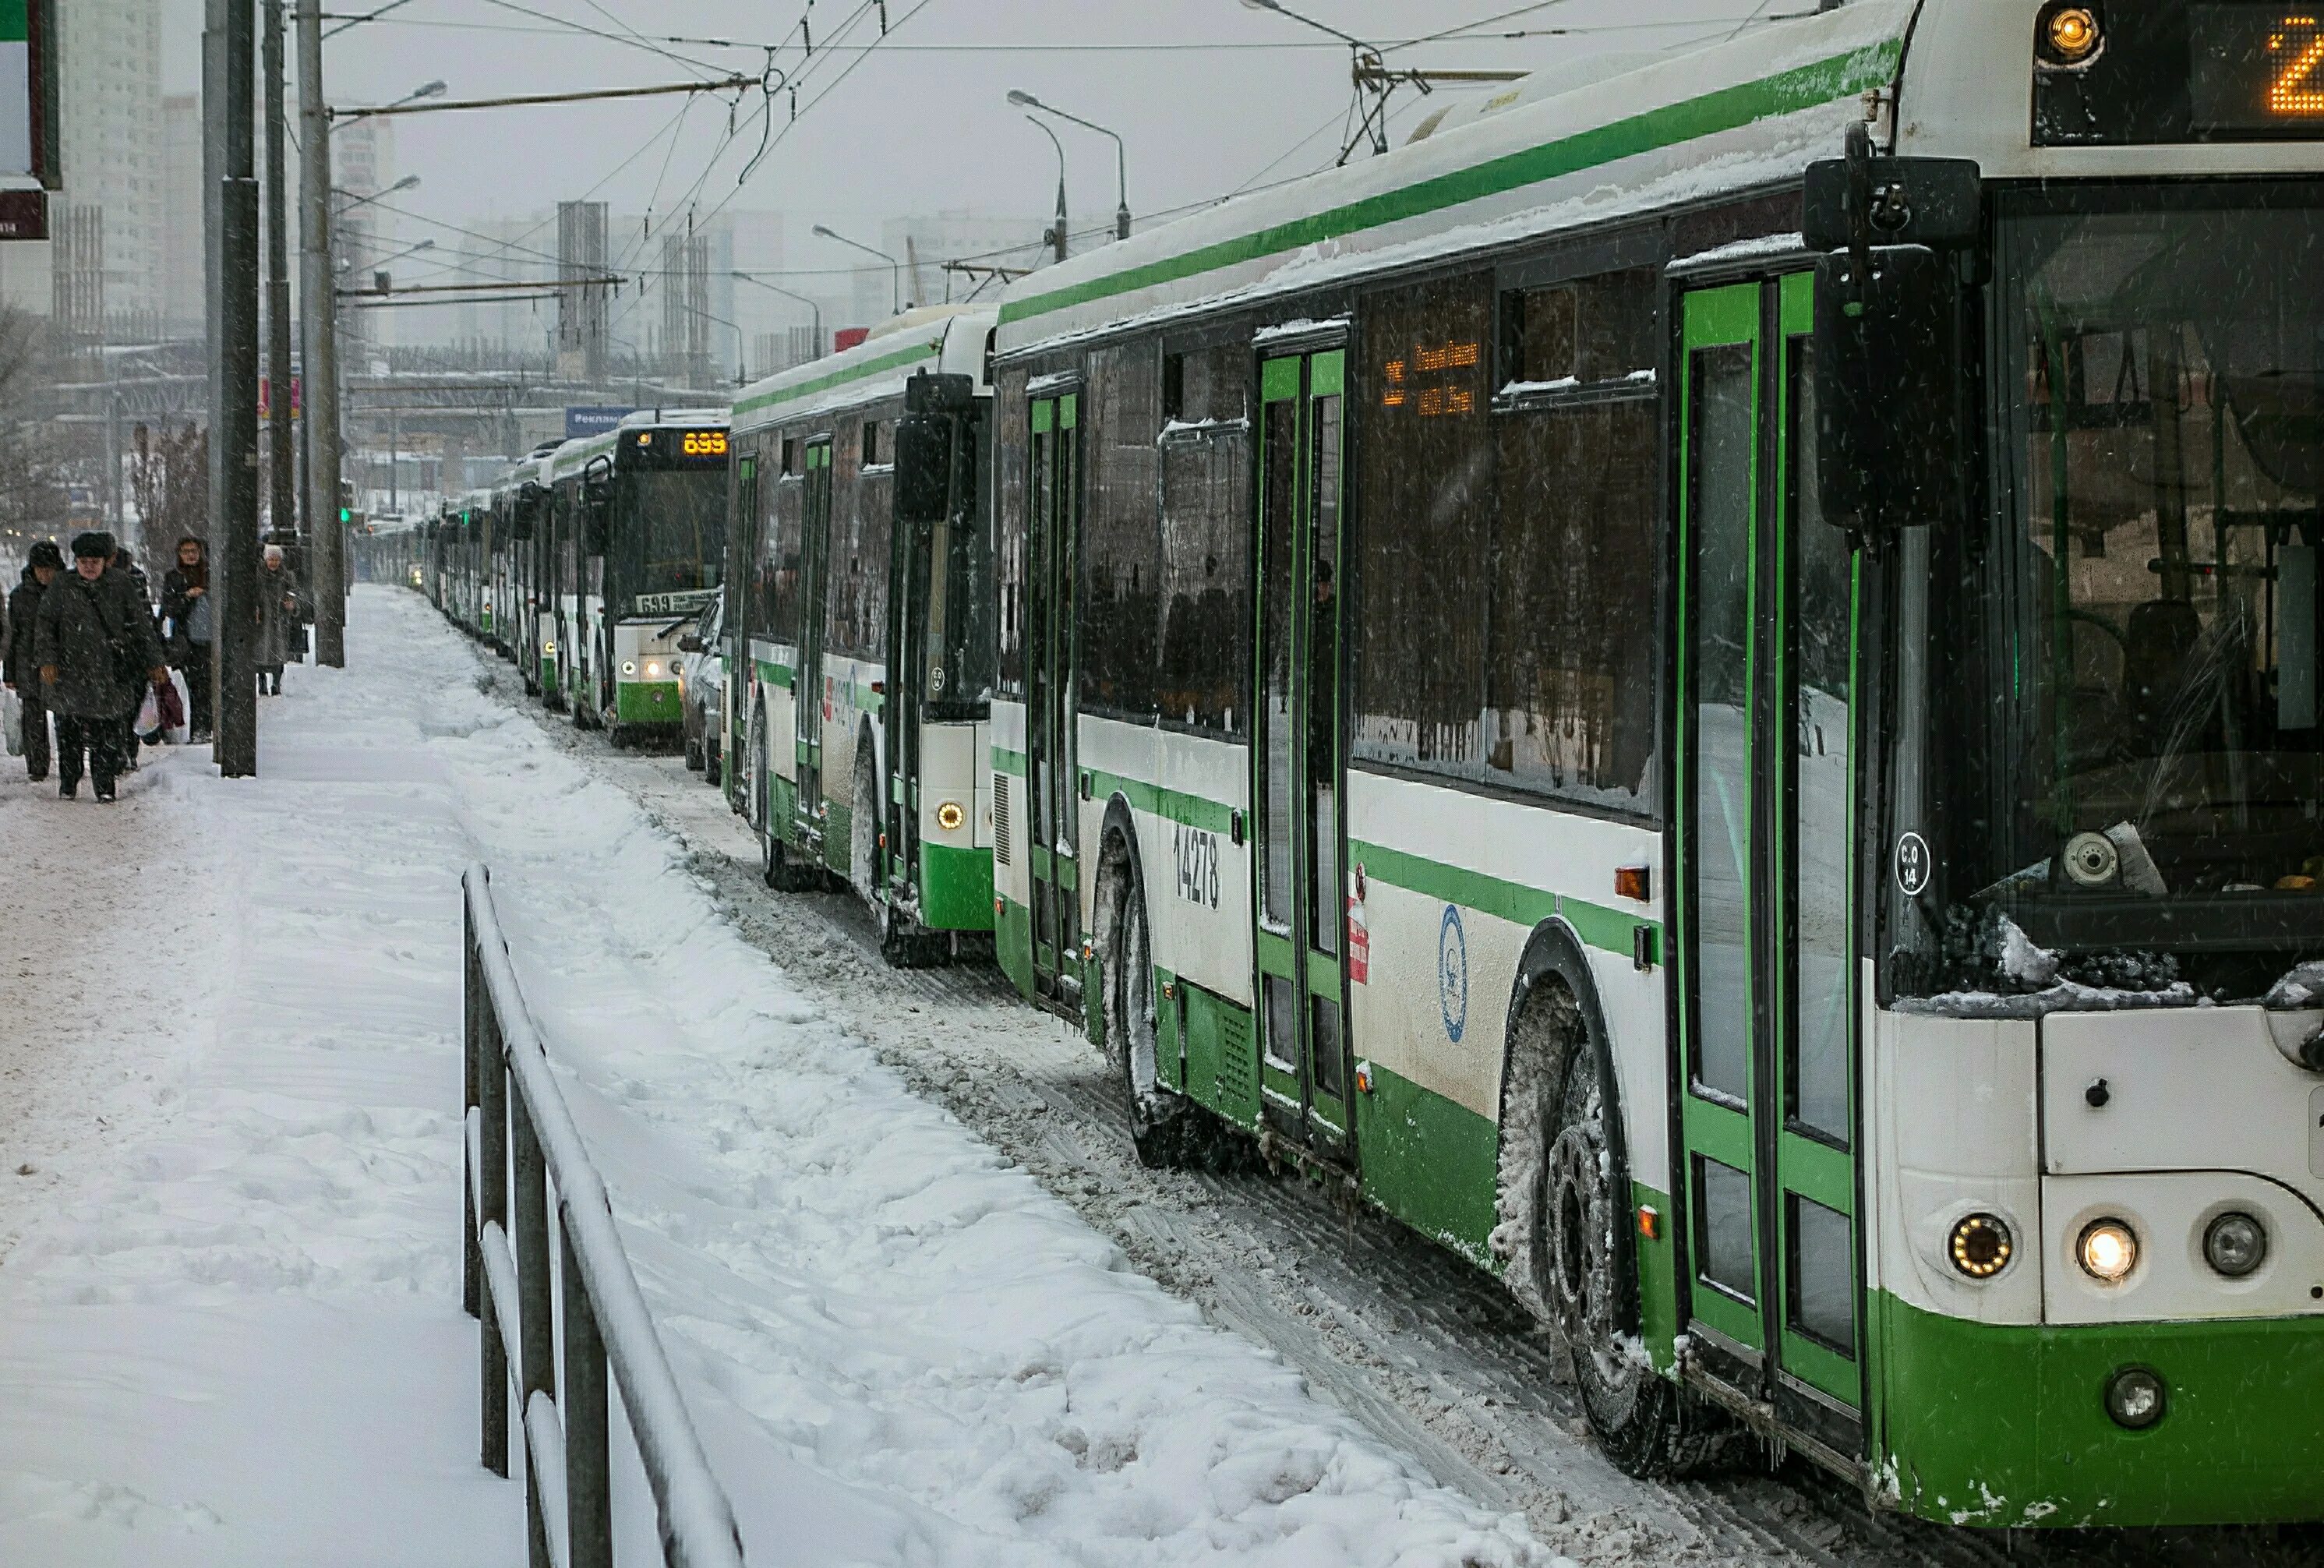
point(229, 1323)
point(904, 1264)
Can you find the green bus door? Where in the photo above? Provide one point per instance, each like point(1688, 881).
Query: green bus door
point(807, 685)
point(1766, 610)
point(1052, 701)
point(1305, 1053)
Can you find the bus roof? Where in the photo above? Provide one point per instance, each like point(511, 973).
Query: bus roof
point(1748, 111)
point(938, 338)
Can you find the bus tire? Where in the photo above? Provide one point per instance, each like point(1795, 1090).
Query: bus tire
point(904, 942)
point(1648, 1424)
point(1164, 1126)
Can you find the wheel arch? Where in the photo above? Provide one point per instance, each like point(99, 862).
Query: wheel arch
point(1555, 956)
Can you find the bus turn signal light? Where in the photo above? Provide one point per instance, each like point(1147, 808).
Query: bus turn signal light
point(2072, 34)
point(949, 817)
point(1981, 1245)
point(1633, 883)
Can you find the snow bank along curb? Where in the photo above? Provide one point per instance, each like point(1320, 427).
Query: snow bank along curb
point(898, 1347)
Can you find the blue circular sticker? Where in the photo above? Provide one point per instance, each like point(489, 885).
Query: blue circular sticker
point(1453, 974)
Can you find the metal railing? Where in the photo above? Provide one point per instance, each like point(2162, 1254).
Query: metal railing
point(517, 1120)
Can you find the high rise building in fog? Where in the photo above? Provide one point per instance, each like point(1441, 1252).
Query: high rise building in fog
point(115, 136)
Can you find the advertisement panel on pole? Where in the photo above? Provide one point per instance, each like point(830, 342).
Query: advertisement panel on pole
point(29, 163)
point(587, 421)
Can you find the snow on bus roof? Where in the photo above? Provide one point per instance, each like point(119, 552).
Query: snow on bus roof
point(1721, 117)
point(932, 336)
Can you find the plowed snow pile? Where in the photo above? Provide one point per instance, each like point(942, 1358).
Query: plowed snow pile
point(229, 1326)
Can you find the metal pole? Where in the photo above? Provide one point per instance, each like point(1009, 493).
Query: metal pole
point(588, 1463)
point(281, 463)
point(235, 422)
point(491, 1156)
point(320, 288)
point(533, 1318)
point(113, 514)
point(213, 275)
point(472, 1059)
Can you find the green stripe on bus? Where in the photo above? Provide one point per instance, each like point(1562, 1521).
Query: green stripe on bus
point(1170, 804)
point(15, 21)
point(1730, 108)
point(1008, 761)
point(1611, 930)
point(775, 674)
point(903, 357)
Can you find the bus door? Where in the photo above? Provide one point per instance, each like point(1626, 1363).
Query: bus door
point(1766, 842)
point(809, 705)
point(908, 622)
point(1305, 1052)
point(1052, 707)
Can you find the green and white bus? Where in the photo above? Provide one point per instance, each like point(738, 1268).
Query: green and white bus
point(520, 508)
point(858, 610)
point(1737, 741)
point(637, 530)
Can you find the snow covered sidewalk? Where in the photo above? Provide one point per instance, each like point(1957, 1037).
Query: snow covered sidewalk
point(229, 1326)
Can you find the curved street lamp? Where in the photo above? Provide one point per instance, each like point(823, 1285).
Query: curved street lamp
point(1024, 100)
point(825, 231)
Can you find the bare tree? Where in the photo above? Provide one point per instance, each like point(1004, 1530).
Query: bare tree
point(169, 482)
point(33, 462)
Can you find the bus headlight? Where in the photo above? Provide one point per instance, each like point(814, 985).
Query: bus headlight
point(629, 667)
point(2235, 1244)
point(548, 649)
point(653, 673)
point(2109, 1250)
point(949, 817)
point(1981, 1245)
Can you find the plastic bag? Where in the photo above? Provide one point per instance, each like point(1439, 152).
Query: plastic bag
point(148, 714)
point(12, 721)
point(175, 703)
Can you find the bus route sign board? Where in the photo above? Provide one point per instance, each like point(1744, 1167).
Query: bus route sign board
point(580, 422)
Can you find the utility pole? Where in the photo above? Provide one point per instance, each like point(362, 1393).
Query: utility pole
point(327, 563)
point(282, 472)
point(229, 117)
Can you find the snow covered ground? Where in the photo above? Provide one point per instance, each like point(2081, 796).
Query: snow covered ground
point(230, 1319)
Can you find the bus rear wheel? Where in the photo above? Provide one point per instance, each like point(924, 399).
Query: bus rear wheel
point(1648, 1424)
point(1164, 1128)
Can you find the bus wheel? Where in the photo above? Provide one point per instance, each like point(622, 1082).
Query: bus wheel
point(1162, 1126)
point(1648, 1424)
point(713, 768)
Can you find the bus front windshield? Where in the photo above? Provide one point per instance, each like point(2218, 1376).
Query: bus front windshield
point(2123, 755)
point(677, 529)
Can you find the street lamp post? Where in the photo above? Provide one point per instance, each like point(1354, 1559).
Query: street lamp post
point(1057, 235)
point(387, 262)
point(1024, 100)
point(895, 266)
point(353, 201)
point(802, 299)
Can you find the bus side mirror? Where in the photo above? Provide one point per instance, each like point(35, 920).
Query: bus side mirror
point(924, 468)
point(1890, 452)
point(690, 644)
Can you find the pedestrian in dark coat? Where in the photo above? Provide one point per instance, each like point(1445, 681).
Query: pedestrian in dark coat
point(95, 641)
point(20, 669)
point(186, 606)
point(278, 620)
